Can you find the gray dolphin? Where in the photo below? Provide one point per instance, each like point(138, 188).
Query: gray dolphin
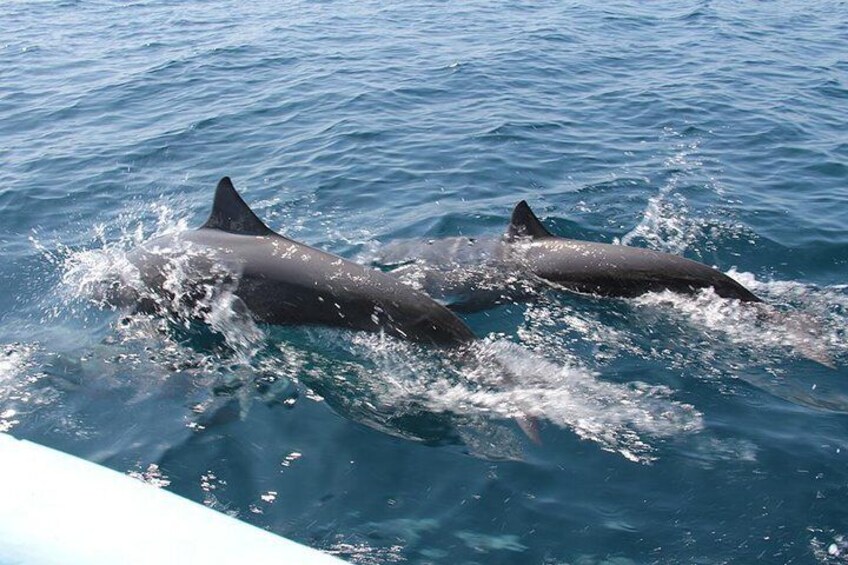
point(281, 281)
point(472, 274)
point(619, 270)
point(609, 270)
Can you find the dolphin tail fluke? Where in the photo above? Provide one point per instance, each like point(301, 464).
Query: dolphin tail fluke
point(530, 426)
point(803, 334)
point(507, 369)
point(822, 358)
point(806, 338)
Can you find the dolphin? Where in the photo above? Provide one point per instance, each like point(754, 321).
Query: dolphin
point(623, 271)
point(473, 274)
point(609, 270)
point(281, 281)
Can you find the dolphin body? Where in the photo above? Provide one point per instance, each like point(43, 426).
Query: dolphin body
point(611, 270)
point(619, 270)
point(281, 281)
point(470, 274)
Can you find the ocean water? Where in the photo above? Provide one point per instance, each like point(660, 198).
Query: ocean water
point(674, 429)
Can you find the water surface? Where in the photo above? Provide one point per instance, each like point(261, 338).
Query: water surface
point(674, 430)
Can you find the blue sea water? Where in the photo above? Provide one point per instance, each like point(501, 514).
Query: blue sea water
point(674, 429)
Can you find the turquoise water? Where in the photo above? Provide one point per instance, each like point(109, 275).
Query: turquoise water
point(674, 430)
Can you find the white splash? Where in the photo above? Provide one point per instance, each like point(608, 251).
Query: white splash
point(831, 550)
point(362, 553)
point(152, 476)
point(802, 319)
point(665, 225)
point(504, 380)
point(102, 275)
point(18, 395)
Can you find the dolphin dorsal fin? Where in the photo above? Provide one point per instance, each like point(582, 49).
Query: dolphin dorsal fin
point(231, 214)
point(525, 223)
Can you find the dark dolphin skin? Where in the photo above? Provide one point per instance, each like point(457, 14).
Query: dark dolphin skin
point(283, 282)
point(610, 270)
